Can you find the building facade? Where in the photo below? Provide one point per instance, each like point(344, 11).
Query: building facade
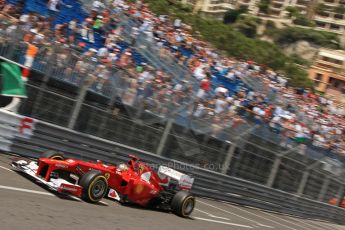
point(330, 15)
point(328, 73)
point(327, 14)
point(217, 8)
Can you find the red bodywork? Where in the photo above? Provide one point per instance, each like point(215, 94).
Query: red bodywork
point(127, 182)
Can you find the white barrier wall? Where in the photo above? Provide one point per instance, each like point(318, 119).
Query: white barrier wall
point(12, 125)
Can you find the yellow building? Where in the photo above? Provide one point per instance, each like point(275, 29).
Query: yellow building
point(328, 73)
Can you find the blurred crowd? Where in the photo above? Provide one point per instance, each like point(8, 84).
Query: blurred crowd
point(93, 48)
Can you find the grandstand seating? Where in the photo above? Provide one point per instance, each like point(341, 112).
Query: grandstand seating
point(73, 9)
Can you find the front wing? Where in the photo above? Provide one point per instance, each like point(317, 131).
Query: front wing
point(55, 184)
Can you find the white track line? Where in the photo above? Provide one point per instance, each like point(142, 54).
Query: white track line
point(305, 222)
point(74, 198)
point(333, 226)
point(10, 170)
point(282, 219)
point(25, 190)
point(102, 202)
point(211, 215)
point(322, 225)
point(41, 193)
point(262, 217)
point(222, 222)
point(245, 218)
point(78, 199)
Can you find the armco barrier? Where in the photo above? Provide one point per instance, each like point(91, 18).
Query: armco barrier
point(13, 125)
point(28, 137)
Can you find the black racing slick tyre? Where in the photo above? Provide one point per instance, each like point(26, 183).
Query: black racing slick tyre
point(94, 185)
point(54, 155)
point(183, 204)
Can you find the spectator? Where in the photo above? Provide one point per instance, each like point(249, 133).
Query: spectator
point(31, 52)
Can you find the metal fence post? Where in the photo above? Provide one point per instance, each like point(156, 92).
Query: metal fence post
point(324, 188)
point(43, 86)
point(274, 171)
point(231, 152)
point(164, 137)
point(303, 183)
point(77, 107)
point(340, 195)
point(229, 157)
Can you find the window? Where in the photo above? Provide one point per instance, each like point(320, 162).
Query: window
point(335, 27)
point(318, 79)
point(321, 24)
point(338, 16)
point(318, 76)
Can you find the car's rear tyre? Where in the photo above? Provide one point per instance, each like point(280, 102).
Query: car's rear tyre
point(54, 155)
point(183, 204)
point(94, 185)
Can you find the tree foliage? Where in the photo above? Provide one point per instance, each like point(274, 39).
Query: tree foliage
point(247, 25)
point(340, 9)
point(290, 35)
point(264, 6)
point(293, 11)
point(321, 9)
point(303, 21)
point(231, 15)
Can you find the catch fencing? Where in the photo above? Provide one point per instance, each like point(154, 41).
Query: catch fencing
point(86, 74)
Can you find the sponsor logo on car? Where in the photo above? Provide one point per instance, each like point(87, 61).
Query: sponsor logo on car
point(61, 166)
point(66, 188)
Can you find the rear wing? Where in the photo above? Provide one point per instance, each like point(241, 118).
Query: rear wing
point(185, 182)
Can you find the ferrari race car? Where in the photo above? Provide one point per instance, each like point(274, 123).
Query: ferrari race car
point(132, 182)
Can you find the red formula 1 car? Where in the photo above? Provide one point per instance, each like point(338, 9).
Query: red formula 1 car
point(133, 182)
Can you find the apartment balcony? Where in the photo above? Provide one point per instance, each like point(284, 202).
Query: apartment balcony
point(245, 3)
point(329, 65)
point(329, 20)
point(302, 9)
point(278, 4)
point(277, 7)
point(219, 8)
point(302, 3)
point(330, 3)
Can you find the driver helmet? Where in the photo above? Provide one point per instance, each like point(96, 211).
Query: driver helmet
point(123, 167)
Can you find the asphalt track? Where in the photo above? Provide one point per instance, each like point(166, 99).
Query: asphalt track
point(26, 205)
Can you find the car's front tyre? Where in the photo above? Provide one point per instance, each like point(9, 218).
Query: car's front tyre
point(94, 185)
